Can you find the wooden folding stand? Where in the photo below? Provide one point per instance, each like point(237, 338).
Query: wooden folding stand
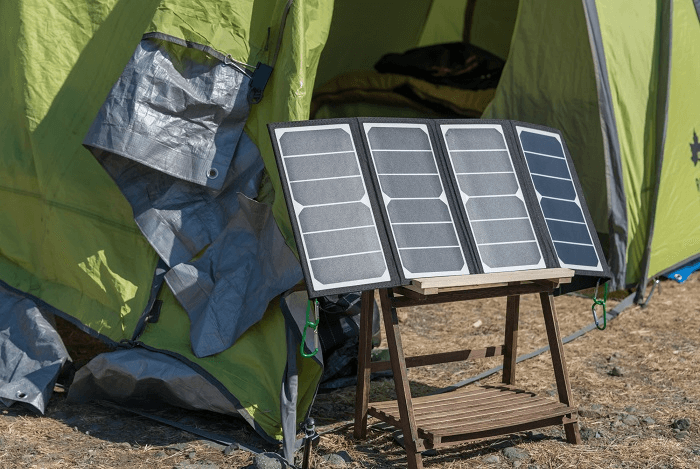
point(472, 413)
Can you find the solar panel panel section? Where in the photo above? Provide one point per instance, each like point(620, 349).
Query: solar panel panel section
point(492, 197)
point(416, 203)
point(557, 196)
point(331, 205)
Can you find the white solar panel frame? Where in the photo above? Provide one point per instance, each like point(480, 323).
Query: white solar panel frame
point(519, 194)
point(318, 286)
point(367, 126)
point(599, 267)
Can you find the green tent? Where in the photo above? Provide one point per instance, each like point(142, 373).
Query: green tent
point(618, 81)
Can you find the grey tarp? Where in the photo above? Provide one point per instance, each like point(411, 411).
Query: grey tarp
point(176, 110)
point(140, 376)
point(31, 352)
point(227, 290)
point(171, 136)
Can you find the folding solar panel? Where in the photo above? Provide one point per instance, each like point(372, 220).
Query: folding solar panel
point(414, 199)
point(375, 203)
point(561, 199)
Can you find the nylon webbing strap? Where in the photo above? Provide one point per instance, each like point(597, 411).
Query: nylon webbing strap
point(697, 8)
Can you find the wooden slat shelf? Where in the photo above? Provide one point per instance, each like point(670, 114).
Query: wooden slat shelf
point(488, 410)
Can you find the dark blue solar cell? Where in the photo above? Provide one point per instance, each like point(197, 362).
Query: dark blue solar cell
point(561, 210)
point(570, 232)
point(433, 260)
point(545, 144)
point(315, 141)
point(576, 254)
point(549, 187)
point(548, 166)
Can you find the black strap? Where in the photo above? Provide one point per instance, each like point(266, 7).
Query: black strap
point(697, 8)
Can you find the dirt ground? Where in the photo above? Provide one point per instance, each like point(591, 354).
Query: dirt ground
point(626, 420)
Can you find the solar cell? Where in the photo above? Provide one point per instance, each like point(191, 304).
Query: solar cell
point(558, 198)
point(331, 206)
point(492, 197)
point(413, 194)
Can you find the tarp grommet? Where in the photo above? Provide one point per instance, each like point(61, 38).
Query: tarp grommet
point(212, 173)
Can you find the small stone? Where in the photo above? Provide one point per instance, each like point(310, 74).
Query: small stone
point(124, 445)
point(617, 371)
point(192, 455)
point(532, 466)
point(630, 420)
point(179, 446)
point(681, 435)
point(230, 449)
point(631, 410)
point(265, 462)
point(590, 413)
point(598, 435)
point(517, 464)
point(514, 454)
point(587, 433)
point(492, 459)
point(333, 460)
point(212, 444)
point(536, 436)
point(649, 420)
point(160, 454)
point(681, 424)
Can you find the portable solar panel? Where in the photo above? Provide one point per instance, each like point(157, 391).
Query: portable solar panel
point(375, 203)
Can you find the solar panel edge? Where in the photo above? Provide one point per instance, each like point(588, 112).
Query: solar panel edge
point(604, 273)
point(296, 229)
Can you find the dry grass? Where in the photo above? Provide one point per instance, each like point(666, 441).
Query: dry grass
point(657, 348)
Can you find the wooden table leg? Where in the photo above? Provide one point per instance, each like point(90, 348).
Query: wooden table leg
point(412, 443)
point(560, 372)
point(510, 353)
point(363, 364)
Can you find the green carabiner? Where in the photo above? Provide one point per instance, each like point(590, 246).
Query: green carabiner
point(597, 302)
point(309, 324)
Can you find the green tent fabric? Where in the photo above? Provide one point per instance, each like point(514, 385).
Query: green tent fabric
point(67, 234)
point(618, 81)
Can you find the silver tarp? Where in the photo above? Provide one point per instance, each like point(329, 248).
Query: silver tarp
point(31, 352)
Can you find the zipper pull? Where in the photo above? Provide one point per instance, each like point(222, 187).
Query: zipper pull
point(258, 81)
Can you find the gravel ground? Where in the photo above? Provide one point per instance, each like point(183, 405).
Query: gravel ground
point(636, 385)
